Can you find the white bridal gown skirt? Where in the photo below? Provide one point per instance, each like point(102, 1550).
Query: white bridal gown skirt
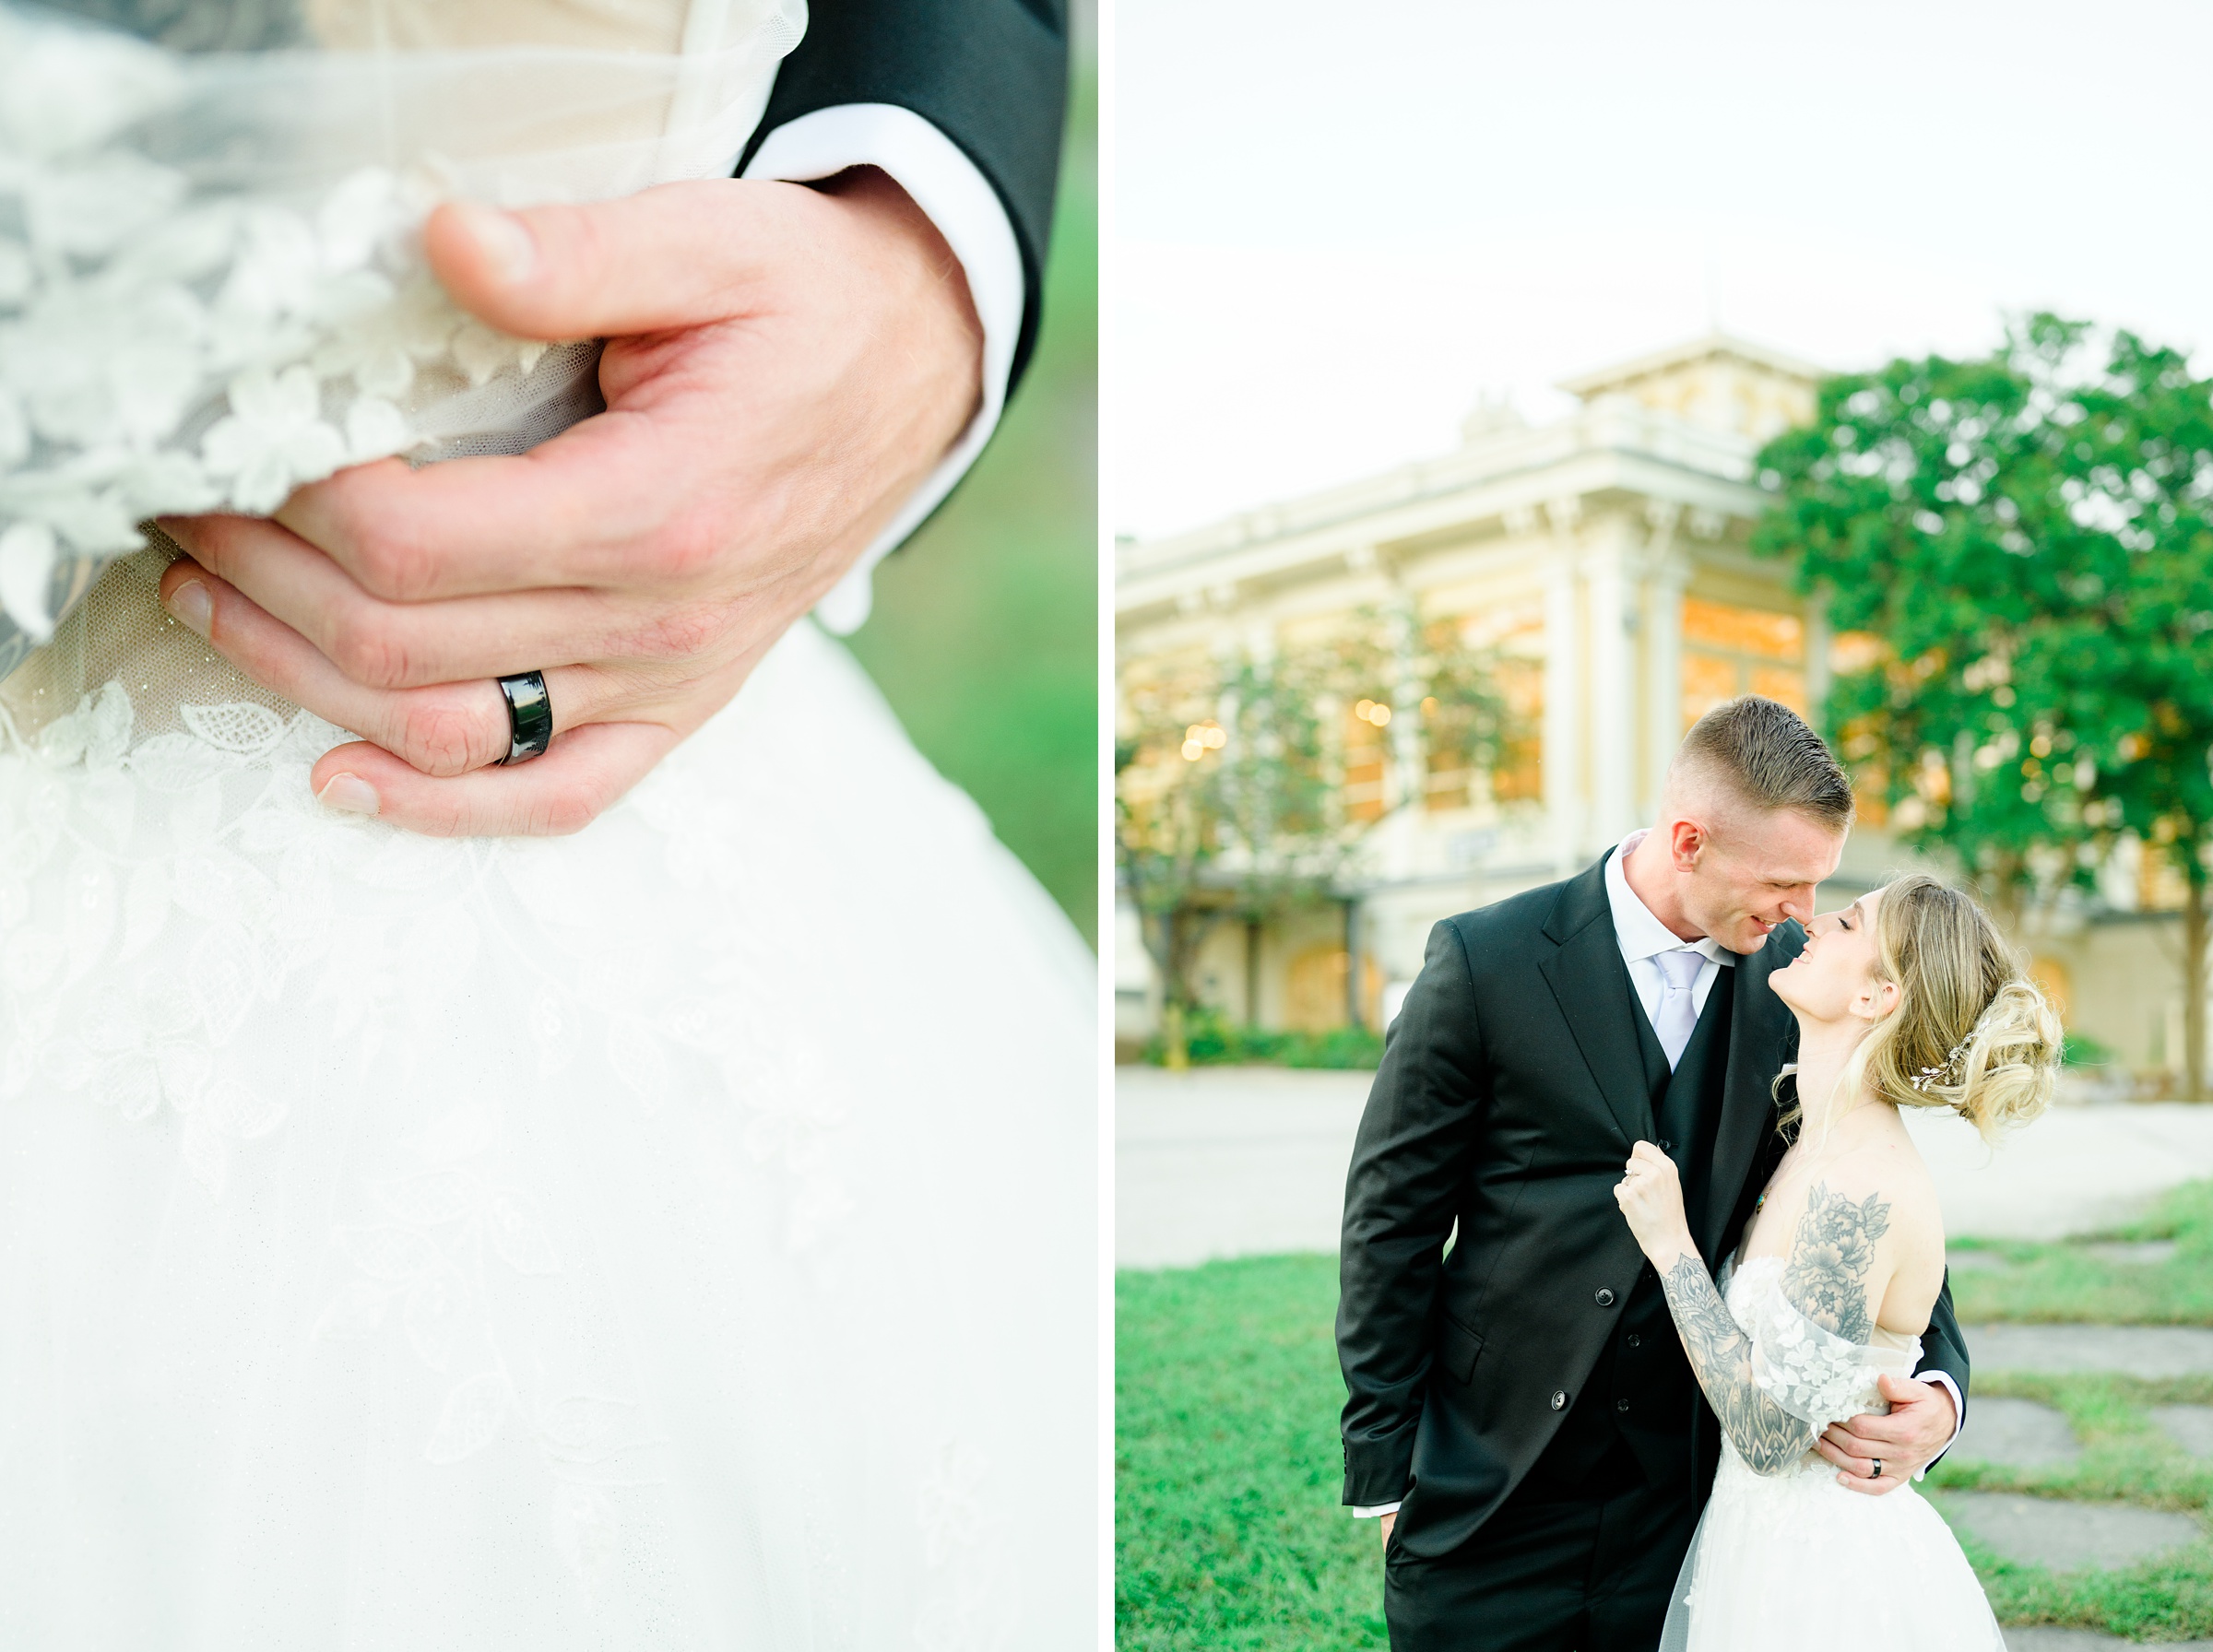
point(679, 1235)
point(1796, 1562)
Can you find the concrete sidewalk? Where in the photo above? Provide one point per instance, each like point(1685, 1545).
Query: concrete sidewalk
point(1231, 1161)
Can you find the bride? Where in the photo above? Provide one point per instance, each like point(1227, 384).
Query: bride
point(1908, 997)
point(677, 1235)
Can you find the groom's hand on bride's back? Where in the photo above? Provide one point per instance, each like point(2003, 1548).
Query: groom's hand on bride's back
point(1919, 1426)
point(786, 365)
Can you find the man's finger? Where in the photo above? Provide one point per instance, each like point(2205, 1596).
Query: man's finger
point(1845, 1458)
point(449, 728)
point(1859, 1471)
point(1874, 1428)
point(581, 775)
point(675, 257)
point(1870, 1488)
point(572, 511)
point(385, 644)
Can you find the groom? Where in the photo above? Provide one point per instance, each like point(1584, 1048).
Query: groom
point(1521, 1415)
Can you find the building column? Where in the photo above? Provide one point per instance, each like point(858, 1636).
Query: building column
point(1817, 639)
point(1409, 750)
point(1353, 939)
point(1563, 755)
point(1667, 575)
point(1613, 740)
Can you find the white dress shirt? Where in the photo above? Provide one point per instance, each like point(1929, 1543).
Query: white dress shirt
point(968, 212)
point(1642, 938)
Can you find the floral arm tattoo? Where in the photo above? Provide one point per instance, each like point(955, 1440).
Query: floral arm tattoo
point(1825, 1279)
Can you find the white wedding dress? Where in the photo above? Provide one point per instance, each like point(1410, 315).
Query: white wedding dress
point(1794, 1560)
point(677, 1236)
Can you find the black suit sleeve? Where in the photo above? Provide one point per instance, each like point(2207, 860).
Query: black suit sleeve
point(1401, 1196)
point(1943, 1348)
point(990, 75)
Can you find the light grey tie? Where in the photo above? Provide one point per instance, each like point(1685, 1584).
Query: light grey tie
point(1677, 1015)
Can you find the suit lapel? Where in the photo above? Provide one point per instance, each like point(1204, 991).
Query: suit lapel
point(1592, 984)
point(1756, 1051)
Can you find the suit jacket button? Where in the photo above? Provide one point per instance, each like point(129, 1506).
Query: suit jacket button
point(1621, 1404)
point(1634, 1340)
point(1559, 1399)
point(1605, 1298)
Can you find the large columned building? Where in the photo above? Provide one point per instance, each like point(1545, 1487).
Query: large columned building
point(1604, 560)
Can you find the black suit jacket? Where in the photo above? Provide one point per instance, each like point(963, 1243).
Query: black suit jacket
point(991, 74)
point(1510, 1092)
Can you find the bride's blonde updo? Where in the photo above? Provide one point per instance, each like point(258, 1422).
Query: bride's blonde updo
point(1970, 1032)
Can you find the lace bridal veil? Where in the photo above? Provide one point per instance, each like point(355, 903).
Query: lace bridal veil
point(672, 1238)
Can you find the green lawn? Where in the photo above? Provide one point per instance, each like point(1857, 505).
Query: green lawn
point(985, 632)
point(1228, 1531)
point(2069, 1282)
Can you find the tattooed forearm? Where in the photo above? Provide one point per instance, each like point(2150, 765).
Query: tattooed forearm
point(1767, 1437)
point(1830, 1255)
point(1825, 1277)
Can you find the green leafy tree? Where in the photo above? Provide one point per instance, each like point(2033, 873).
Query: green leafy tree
point(2027, 536)
point(1229, 793)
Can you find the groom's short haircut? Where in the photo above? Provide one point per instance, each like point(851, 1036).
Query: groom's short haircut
point(1767, 755)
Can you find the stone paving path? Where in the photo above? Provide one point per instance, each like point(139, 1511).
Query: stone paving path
point(2150, 1253)
point(2084, 1640)
point(2067, 1537)
point(2189, 1426)
point(1234, 1161)
point(2018, 1432)
point(2143, 1349)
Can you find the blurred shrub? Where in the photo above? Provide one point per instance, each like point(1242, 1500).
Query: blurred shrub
point(1212, 1041)
point(2082, 1050)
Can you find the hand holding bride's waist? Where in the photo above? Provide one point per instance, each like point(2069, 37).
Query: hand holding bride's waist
point(785, 366)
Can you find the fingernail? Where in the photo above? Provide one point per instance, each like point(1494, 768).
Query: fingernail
point(192, 605)
point(349, 793)
point(507, 244)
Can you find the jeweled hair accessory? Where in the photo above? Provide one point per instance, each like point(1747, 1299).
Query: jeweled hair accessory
point(1941, 1073)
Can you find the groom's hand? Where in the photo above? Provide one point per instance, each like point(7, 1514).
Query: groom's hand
point(785, 365)
point(1387, 1522)
point(1919, 1425)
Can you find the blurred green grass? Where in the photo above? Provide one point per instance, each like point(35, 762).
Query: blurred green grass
point(985, 632)
point(2072, 1281)
point(1228, 1533)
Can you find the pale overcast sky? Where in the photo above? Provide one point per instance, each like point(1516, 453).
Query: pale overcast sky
point(1335, 226)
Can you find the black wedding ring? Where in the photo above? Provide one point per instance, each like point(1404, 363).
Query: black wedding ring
point(529, 716)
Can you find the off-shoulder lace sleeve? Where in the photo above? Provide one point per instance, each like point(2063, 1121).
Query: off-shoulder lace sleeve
point(1811, 1373)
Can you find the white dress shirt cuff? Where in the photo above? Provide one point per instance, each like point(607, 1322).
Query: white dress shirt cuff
point(1943, 1380)
point(967, 210)
point(1380, 1508)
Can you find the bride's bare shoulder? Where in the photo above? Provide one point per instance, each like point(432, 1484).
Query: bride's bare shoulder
point(1872, 1222)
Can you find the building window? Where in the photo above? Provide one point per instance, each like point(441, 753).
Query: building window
point(1729, 651)
point(1520, 777)
point(1364, 754)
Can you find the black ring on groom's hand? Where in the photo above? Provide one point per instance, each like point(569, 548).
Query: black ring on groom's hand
point(529, 716)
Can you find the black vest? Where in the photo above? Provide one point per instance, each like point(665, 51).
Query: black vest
point(1634, 1416)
